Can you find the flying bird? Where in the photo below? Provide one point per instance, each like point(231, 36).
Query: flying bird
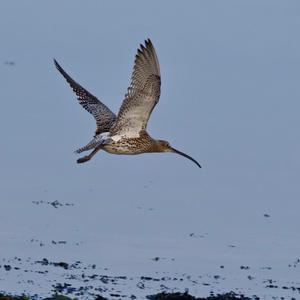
point(126, 133)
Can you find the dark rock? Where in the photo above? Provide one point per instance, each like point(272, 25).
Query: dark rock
point(99, 297)
point(186, 296)
point(7, 267)
point(61, 264)
point(58, 297)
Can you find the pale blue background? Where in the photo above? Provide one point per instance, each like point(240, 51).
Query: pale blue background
point(230, 98)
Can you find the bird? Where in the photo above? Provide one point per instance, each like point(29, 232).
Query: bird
point(126, 133)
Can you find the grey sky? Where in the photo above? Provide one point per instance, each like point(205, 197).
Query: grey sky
point(230, 98)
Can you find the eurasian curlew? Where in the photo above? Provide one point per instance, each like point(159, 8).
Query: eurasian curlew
point(126, 133)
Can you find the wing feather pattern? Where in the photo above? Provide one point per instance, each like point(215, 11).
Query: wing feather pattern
point(142, 95)
point(103, 115)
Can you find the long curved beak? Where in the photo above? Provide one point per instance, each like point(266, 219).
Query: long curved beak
point(185, 155)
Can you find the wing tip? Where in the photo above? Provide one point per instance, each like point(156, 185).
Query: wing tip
point(148, 42)
point(55, 61)
point(57, 65)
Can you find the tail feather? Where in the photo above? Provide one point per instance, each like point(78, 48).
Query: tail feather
point(84, 148)
point(97, 141)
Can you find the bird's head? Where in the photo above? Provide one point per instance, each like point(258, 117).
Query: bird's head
point(164, 146)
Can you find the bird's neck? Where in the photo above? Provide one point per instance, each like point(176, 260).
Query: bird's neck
point(153, 145)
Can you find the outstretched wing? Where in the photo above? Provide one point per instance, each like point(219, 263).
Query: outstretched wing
point(103, 115)
point(142, 95)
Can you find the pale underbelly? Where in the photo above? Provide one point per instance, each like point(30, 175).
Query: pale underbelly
point(122, 149)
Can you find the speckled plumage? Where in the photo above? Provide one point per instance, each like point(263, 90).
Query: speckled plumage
point(103, 115)
point(126, 133)
point(142, 95)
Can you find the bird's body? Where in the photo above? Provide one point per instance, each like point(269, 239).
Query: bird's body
point(122, 145)
point(126, 133)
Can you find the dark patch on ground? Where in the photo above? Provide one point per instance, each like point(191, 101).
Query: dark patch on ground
point(58, 242)
point(187, 296)
point(58, 297)
point(295, 263)
point(62, 264)
point(55, 203)
point(9, 63)
point(160, 296)
point(88, 281)
point(195, 235)
point(9, 297)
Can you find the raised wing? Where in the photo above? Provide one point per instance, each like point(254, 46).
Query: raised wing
point(142, 95)
point(103, 115)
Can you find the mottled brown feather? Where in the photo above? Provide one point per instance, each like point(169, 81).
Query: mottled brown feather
point(103, 115)
point(142, 95)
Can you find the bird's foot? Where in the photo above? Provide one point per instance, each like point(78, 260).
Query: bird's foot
point(83, 159)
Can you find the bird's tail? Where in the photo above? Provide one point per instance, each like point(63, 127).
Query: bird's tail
point(87, 147)
point(97, 141)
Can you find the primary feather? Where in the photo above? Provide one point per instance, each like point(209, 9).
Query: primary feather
point(103, 115)
point(142, 95)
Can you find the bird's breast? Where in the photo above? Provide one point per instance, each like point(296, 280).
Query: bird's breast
point(127, 146)
point(117, 148)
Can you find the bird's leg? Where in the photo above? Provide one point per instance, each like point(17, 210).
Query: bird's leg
point(88, 157)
